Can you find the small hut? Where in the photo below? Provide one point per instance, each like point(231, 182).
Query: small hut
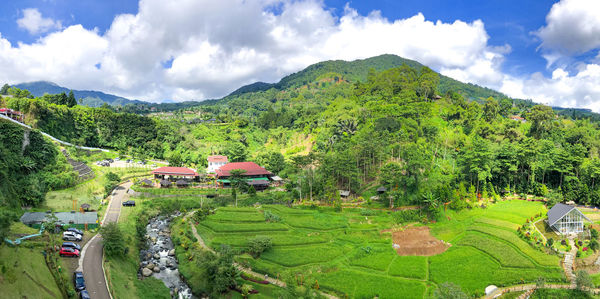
point(381, 190)
point(146, 183)
point(85, 206)
point(344, 193)
point(182, 183)
point(258, 184)
point(165, 184)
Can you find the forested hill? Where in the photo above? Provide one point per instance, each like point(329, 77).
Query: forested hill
point(358, 70)
point(89, 98)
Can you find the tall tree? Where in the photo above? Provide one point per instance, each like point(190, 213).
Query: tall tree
point(71, 101)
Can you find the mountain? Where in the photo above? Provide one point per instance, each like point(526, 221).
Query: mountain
point(358, 70)
point(90, 98)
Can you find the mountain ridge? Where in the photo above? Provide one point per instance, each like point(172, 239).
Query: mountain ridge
point(92, 98)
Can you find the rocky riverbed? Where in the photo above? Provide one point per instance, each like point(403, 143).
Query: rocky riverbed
point(159, 261)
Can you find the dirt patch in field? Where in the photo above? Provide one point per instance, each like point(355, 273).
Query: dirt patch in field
point(417, 241)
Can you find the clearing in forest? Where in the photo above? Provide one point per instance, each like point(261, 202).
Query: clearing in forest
point(417, 241)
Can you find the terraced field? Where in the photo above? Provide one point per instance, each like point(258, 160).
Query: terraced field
point(347, 254)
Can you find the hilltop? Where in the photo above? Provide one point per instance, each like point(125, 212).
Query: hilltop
point(91, 98)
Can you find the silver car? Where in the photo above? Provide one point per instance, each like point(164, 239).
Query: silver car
point(71, 236)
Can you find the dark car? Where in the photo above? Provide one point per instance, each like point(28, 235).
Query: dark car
point(79, 281)
point(129, 203)
point(71, 245)
point(84, 295)
point(77, 231)
point(67, 251)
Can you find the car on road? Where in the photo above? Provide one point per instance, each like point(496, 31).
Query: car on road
point(68, 251)
point(117, 159)
point(77, 231)
point(84, 295)
point(71, 245)
point(129, 203)
point(71, 236)
point(78, 281)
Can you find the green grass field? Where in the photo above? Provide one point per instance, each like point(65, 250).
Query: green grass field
point(25, 275)
point(347, 254)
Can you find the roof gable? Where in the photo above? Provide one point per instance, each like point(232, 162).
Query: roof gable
point(559, 210)
point(175, 171)
point(251, 168)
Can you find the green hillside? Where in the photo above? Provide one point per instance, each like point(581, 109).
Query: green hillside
point(358, 70)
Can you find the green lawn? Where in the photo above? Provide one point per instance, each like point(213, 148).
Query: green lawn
point(25, 275)
point(90, 192)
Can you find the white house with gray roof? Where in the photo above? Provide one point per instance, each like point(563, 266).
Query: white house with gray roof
point(566, 219)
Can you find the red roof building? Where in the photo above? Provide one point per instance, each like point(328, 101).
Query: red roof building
point(217, 158)
point(174, 172)
point(252, 170)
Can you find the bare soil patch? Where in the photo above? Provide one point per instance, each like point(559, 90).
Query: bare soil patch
point(417, 241)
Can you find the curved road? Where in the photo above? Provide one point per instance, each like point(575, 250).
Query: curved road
point(92, 251)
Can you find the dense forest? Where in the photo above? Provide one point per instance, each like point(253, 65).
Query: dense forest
point(355, 125)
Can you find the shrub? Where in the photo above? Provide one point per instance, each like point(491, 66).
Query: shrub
point(258, 245)
point(594, 234)
point(270, 217)
point(406, 216)
point(550, 242)
point(367, 212)
point(113, 241)
point(594, 245)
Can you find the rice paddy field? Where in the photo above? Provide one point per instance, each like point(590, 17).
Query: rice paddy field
point(349, 255)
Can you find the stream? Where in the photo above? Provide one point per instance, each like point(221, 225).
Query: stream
point(159, 261)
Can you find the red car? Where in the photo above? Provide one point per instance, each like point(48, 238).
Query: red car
point(66, 251)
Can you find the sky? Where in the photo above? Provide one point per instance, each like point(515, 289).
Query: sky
point(156, 50)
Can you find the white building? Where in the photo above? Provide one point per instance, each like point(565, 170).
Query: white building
point(215, 162)
point(566, 219)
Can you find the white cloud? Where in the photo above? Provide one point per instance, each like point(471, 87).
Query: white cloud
point(193, 50)
point(581, 90)
point(214, 47)
point(572, 27)
point(34, 23)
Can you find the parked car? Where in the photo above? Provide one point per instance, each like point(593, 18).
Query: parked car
point(129, 203)
point(77, 231)
point(78, 281)
point(71, 245)
point(71, 236)
point(117, 159)
point(68, 251)
point(84, 295)
point(110, 160)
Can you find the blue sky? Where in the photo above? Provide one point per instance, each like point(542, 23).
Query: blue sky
point(156, 50)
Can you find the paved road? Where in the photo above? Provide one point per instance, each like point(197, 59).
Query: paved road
point(92, 260)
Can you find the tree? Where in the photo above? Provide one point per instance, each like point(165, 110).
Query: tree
point(4, 89)
point(71, 101)
point(448, 290)
point(583, 280)
point(6, 218)
point(221, 273)
point(236, 152)
point(490, 109)
point(112, 238)
point(541, 118)
point(258, 245)
point(237, 181)
point(272, 161)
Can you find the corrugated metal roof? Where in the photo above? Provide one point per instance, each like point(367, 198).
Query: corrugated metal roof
point(62, 217)
point(557, 212)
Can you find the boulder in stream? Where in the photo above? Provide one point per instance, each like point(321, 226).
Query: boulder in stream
point(172, 252)
point(146, 272)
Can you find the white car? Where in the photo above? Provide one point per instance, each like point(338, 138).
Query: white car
point(71, 236)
